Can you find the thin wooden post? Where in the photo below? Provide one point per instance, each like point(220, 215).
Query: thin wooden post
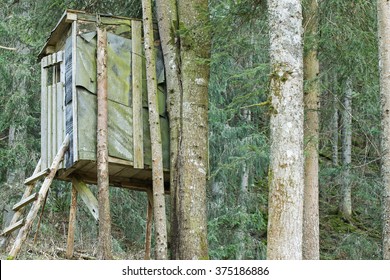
point(136, 73)
point(160, 223)
point(42, 193)
point(72, 222)
point(105, 243)
point(148, 234)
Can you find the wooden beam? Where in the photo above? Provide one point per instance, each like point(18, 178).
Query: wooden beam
point(72, 222)
point(25, 201)
point(87, 197)
point(42, 194)
point(44, 76)
point(136, 73)
point(60, 114)
point(74, 94)
point(13, 227)
point(49, 125)
point(37, 176)
point(54, 147)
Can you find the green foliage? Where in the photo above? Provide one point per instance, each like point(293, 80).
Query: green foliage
point(238, 140)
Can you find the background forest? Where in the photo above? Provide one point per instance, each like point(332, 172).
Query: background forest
point(239, 130)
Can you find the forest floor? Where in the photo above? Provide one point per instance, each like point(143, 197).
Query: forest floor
point(50, 243)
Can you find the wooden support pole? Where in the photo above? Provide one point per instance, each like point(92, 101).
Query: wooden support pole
point(72, 222)
point(160, 223)
point(148, 234)
point(42, 193)
point(105, 243)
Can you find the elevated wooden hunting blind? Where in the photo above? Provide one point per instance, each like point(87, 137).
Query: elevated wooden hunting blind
point(69, 103)
point(69, 117)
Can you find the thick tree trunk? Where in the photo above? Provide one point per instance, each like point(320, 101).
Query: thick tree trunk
point(105, 243)
point(160, 223)
point(286, 174)
point(346, 200)
point(384, 67)
point(311, 242)
point(187, 84)
point(192, 161)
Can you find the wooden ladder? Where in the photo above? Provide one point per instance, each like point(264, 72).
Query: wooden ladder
point(38, 198)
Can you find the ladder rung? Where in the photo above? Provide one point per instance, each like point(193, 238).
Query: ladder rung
point(25, 201)
point(13, 227)
point(37, 176)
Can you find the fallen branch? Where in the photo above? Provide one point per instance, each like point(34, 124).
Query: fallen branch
point(7, 48)
point(77, 255)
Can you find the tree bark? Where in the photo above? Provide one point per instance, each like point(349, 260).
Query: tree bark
point(311, 242)
point(72, 222)
point(335, 130)
point(160, 223)
point(346, 200)
point(193, 152)
point(286, 174)
point(168, 29)
point(187, 82)
point(105, 242)
point(384, 69)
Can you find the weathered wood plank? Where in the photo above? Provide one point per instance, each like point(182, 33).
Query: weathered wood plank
point(22, 235)
point(72, 223)
point(36, 176)
point(49, 125)
point(138, 140)
point(60, 56)
point(74, 97)
point(44, 75)
point(13, 227)
point(54, 147)
point(60, 114)
point(87, 197)
point(25, 201)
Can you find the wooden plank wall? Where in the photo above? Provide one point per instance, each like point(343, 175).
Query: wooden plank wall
point(52, 107)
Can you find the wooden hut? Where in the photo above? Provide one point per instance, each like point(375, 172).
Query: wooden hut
point(68, 64)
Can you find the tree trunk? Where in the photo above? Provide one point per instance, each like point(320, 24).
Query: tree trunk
point(187, 83)
point(105, 243)
point(335, 130)
point(160, 223)
point(384, 68)
point(311, 242)
point(286, 174)
point(346, 200)
point(168, 29)
point(192, 161)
